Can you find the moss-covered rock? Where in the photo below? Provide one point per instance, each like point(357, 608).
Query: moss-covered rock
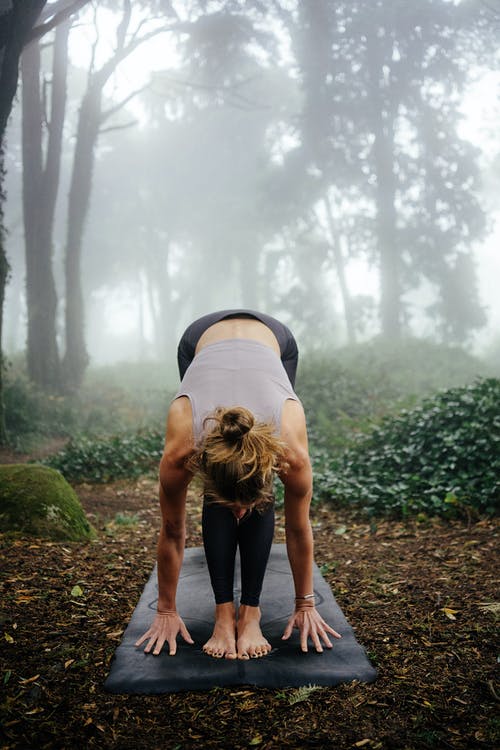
point(38, 501)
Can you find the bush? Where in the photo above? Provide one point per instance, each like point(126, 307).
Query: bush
point(31, 415)
point(439, 457)
point(346, 392)
point(102, 407)
point(105, 459)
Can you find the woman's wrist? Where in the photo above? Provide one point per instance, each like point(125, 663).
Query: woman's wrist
point(306, 601)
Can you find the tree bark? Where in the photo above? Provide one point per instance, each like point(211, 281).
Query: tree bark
point(338, 259)
point(90, 121)
point(15, 24)
point(40, 188)
point(4, 273)
point(382, 120)
point(76, 357)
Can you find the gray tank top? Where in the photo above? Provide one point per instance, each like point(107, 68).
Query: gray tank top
point(236, 372)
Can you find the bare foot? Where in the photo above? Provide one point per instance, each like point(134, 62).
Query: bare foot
point(251, 642)
point(223, 639)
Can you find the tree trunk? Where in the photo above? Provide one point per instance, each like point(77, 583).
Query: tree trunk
point(4, 273)
point(40, 187)
point(89, 122)
point(15, 24)
point(76, 357)
point(385, 195)
point(341, 274)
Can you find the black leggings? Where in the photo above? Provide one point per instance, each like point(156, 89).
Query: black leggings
point(222, 533)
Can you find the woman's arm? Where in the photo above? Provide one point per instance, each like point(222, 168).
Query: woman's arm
point(297, 480)
point(174, 481)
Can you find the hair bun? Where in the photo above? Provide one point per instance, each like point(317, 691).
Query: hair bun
point(235, 423)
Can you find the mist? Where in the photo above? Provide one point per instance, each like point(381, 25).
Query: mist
point(335, 165)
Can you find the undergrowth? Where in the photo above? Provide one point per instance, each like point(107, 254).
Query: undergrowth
point(380, 436)
point(108, 458)
point(442, 457)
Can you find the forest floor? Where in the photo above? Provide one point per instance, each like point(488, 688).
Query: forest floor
point(421, 597)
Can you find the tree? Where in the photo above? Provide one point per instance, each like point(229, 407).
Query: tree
point(382, 87)
point(17, 26)
point(91, 118)
point(40, 188)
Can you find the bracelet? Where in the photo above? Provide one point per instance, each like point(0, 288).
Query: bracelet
point(307, 596)
point(168, 612)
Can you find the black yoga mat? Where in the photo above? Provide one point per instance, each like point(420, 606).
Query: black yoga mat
point(133, 671)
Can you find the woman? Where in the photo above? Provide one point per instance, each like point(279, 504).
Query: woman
point(236, 420)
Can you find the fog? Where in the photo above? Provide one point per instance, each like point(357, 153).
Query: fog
point(333, 164)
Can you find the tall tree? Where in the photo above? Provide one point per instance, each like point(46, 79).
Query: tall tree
point(91, 118)
point(382, 86)
point(18, 19)
point(40, 188)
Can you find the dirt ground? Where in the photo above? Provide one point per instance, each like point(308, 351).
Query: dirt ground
point(422, 597)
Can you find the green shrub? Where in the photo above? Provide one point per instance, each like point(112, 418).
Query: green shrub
point(347, 391)
point(105, 459)
point(441, 456)
point(103, 406)
point(31, 414)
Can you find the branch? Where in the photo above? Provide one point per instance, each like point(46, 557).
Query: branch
point(116, 108)
point(38, 31)
point(120, 54)
point(94, 46)
point(118, 127)
point(121, 31)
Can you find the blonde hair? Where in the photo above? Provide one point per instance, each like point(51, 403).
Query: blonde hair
point(237, 458)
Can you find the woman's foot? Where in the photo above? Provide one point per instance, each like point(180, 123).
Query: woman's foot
point(251, 643)
point(223, 640)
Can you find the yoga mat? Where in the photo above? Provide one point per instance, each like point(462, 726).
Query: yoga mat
point(133, 671)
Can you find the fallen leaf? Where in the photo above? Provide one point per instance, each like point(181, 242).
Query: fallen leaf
point(76, 591)
point(8, 638)
point(450, 613)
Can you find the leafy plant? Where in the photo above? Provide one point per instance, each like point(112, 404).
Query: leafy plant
point(299, 694)
point(104, 459)
point(438, 458)
point(347, 392)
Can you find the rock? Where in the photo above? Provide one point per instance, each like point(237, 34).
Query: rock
point(38, 501)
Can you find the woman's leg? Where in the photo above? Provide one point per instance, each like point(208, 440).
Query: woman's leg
point(255, 537)
point(220, 539)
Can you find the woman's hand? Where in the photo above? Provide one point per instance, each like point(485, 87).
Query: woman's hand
point(164, 629)
point(310, 625)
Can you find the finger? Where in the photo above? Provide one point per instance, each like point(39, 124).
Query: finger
point(150, 645)
point(303, 637)
point(320, 629)
point(173, 646)
point(331, 631)
point(185, 634)
point(159, 645)
point(316, 641)
point(288, 631)
point(142, 638)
